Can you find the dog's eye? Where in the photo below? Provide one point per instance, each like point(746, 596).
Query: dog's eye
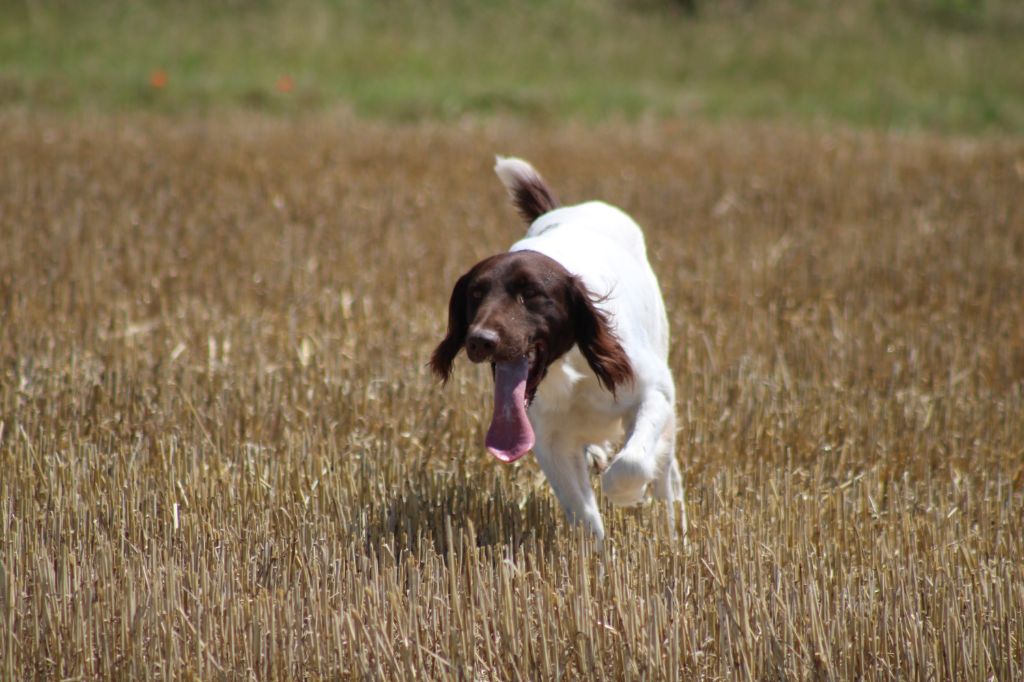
point(527, 294)
point(476, 294)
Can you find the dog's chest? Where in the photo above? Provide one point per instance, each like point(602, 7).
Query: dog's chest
point(571, 395)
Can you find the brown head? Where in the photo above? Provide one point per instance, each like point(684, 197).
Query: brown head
point(525, 305)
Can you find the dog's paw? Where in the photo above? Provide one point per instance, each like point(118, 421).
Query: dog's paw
point(597, 458)
point(625, 482)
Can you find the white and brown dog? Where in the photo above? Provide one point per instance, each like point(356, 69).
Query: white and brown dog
point(574, 326)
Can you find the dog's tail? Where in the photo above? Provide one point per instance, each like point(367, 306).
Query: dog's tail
point(530, 194)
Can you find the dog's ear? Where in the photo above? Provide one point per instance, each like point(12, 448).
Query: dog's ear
point(596, 339)
point(444, 355)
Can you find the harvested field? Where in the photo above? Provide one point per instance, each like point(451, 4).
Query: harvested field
point(222, 456)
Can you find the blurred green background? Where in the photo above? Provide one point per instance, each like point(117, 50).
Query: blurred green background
point(946, 65)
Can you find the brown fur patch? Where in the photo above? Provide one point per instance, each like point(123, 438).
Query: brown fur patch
point(533, 198)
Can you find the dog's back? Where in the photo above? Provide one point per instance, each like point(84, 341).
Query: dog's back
point(537, 204)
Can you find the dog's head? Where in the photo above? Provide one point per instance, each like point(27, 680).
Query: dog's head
point(521, 311)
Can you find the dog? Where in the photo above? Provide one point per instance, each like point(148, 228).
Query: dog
point(573, 323)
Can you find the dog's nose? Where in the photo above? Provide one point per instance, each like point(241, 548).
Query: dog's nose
point(481, 344)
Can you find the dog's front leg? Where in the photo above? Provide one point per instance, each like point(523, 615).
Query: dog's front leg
point(626, 479)
point(565, 466)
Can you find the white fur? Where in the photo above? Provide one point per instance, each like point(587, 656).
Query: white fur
point(514, 172)
point(571, 413)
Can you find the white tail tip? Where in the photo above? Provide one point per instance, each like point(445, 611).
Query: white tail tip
point(514, 172)
point(530, 194)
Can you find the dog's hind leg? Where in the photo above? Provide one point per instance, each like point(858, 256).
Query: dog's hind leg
point(668, 484)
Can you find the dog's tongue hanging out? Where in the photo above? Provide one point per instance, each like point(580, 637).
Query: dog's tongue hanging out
point(510, 436)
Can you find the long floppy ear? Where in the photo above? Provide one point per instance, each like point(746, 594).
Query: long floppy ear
point(444, 355)
point(596, 339)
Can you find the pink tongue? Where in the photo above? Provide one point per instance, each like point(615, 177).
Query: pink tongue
point(510, 436)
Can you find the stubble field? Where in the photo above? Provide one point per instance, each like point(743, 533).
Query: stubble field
point(222, 456)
